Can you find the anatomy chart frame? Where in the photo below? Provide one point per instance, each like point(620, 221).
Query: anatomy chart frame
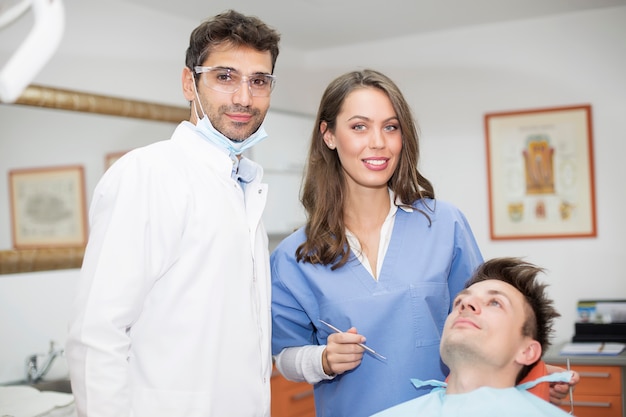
point(48, 207)
point(541, 173)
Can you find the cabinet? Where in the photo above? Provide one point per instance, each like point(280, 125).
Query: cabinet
point(291, 399)
point(599, 392)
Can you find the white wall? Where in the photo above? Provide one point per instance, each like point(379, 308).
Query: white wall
point(451, 79)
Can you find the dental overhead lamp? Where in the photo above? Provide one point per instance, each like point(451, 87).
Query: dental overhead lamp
point(35, 51)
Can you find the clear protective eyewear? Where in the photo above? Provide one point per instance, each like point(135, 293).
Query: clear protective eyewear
point(227, 80)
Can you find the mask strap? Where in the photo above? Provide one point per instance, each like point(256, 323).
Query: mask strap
point(195, 90)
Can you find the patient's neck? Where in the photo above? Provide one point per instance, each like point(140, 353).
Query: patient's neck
point(466, 378)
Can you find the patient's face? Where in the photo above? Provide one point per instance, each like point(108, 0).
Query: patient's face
point(485, 325)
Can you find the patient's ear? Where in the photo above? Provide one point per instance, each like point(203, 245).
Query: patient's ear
point(529, 353)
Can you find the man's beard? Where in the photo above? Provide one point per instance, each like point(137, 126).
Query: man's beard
point(227, 131)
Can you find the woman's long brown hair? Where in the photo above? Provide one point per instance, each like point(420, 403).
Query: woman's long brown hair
point(323, 190)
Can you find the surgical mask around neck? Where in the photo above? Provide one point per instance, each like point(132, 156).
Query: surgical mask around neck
point(206, 129)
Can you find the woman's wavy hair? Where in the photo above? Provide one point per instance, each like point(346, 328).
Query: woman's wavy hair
point(323, 190)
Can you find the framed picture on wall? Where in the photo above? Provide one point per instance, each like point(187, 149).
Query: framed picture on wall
point(48, 207)
point(110, 158)
point(540, 173)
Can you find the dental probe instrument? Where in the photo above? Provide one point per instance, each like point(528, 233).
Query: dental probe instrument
point(571, 398)
point(369, 349)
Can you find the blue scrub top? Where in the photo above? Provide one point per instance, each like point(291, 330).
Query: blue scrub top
point(401, 315)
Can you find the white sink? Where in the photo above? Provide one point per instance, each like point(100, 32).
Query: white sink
point(27, 401)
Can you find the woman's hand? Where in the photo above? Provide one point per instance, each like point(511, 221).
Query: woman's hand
point(342, 352)
point(559, 390)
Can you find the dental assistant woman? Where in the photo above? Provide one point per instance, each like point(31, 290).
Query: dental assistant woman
point(172, 314)
point(379, 257)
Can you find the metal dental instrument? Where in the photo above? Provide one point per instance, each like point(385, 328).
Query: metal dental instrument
point(369, 349)
point(571, 398)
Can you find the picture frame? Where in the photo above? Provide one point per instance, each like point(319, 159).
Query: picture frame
point(540, 172)
point(111, 157)
point(48, 208)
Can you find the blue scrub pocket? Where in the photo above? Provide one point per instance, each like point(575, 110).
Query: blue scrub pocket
point(429, 303)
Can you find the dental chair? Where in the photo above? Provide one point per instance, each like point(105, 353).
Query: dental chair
point(541, 390)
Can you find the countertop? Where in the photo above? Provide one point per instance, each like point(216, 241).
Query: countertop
point(553, 357)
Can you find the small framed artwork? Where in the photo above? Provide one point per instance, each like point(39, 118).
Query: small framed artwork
point(540, 173)
point(110, 158)
point(48, 207)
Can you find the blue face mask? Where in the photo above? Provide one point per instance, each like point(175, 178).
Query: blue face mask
point(206, 129)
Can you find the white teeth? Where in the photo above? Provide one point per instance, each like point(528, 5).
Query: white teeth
point(375, 161)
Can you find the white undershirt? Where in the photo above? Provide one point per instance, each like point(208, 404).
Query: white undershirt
point(385, 238)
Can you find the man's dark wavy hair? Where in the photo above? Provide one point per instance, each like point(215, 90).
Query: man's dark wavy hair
point(232, 28)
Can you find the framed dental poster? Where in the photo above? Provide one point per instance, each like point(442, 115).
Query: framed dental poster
point(540, 173)
point(48, 207)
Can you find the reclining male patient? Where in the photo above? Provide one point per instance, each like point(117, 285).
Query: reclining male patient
point(496, 332)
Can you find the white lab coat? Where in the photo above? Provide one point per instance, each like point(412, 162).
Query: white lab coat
point(172, 315)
